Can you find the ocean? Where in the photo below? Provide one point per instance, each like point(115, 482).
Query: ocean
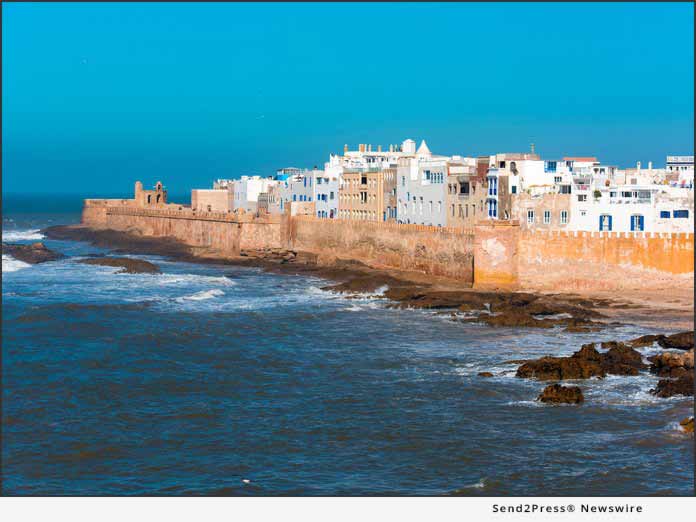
point(221, 380)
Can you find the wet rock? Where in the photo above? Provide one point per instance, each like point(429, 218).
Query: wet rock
point(130, 266)
point(671, 364)
point(679, 341)
point(584, 364)
point(645, 340)
point(557, 394)
point(32, 254)
point(485, 374)
point(687, 425)
point(684, 385)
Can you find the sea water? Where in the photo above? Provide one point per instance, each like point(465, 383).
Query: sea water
point(221, 380)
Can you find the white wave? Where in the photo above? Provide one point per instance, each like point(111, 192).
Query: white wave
point(22, 235)
point(202, 295)
point(175, 279)
point(10, 264)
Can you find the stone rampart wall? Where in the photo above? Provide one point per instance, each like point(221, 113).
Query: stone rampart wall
point(441, 251)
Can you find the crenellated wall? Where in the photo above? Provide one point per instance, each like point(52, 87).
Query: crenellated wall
point(561, 260)
point(494, 254)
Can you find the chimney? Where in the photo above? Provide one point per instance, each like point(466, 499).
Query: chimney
point(391, 148)
point(345, 148)
point(638, 166)
point(369, 147)
point(650, 165)
point(379, 148)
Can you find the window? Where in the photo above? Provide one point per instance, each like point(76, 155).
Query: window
point(681, 213)
point(605, 223)
point(514, 189)
point(564, 217)
point(637, 223)
point(430, 208)
point(501, 164)
point(557, 179)
point(331, 196)
point(530, 216)
point(664, 214)
point(363, 180)
point(547, 217)
point(582, 198)
point(565, 189)
point(550, 166)
point(363, 197)
point(492, 209)
point(427, 175)
point(583, 212)
point(403, 181)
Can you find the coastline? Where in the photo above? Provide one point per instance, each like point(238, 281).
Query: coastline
point(667, 308)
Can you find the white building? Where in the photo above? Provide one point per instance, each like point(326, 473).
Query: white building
point(311, 186)
point(421, 187)
point(246, 191)
point(634, 208)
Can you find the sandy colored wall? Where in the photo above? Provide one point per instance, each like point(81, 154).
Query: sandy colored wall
point(496, 260)
point(604, 261)
point(432, 250)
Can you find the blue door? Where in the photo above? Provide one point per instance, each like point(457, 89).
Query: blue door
point(605, 223)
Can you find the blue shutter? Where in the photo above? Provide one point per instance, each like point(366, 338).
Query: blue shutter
point(641, 223)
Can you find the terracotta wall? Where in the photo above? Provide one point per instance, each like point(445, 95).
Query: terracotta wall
point(604, 261)
point(432, 250)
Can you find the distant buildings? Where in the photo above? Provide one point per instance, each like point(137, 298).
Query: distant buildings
point(409, 185)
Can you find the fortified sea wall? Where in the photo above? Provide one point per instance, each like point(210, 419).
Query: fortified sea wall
point(491, 255)
point(440, 251)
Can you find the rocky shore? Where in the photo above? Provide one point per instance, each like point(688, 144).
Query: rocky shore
point(128, 265)
point(573, 313)
point(619, 359)
point(32, 254)
point(353, 278)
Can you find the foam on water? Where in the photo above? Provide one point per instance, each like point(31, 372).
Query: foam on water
point(202, 295)
point(22, 235)
point(10, 264)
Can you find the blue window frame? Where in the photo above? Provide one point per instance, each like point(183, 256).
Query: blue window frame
point(637, 223)
point(664, 214)
point(514, 189)
point(605, 223)
point(550, 166)
point(681, 213)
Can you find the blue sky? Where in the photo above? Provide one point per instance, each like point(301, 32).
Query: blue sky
point(98, 95)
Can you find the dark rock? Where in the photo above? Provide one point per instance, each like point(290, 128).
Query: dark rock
point(32, 254)
point(585, 363)
point(485, 374)
point(684, 385)
point(645, 340)
point(130, 266)
point(557, 394)
point(679, 341)
point(671, 364)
